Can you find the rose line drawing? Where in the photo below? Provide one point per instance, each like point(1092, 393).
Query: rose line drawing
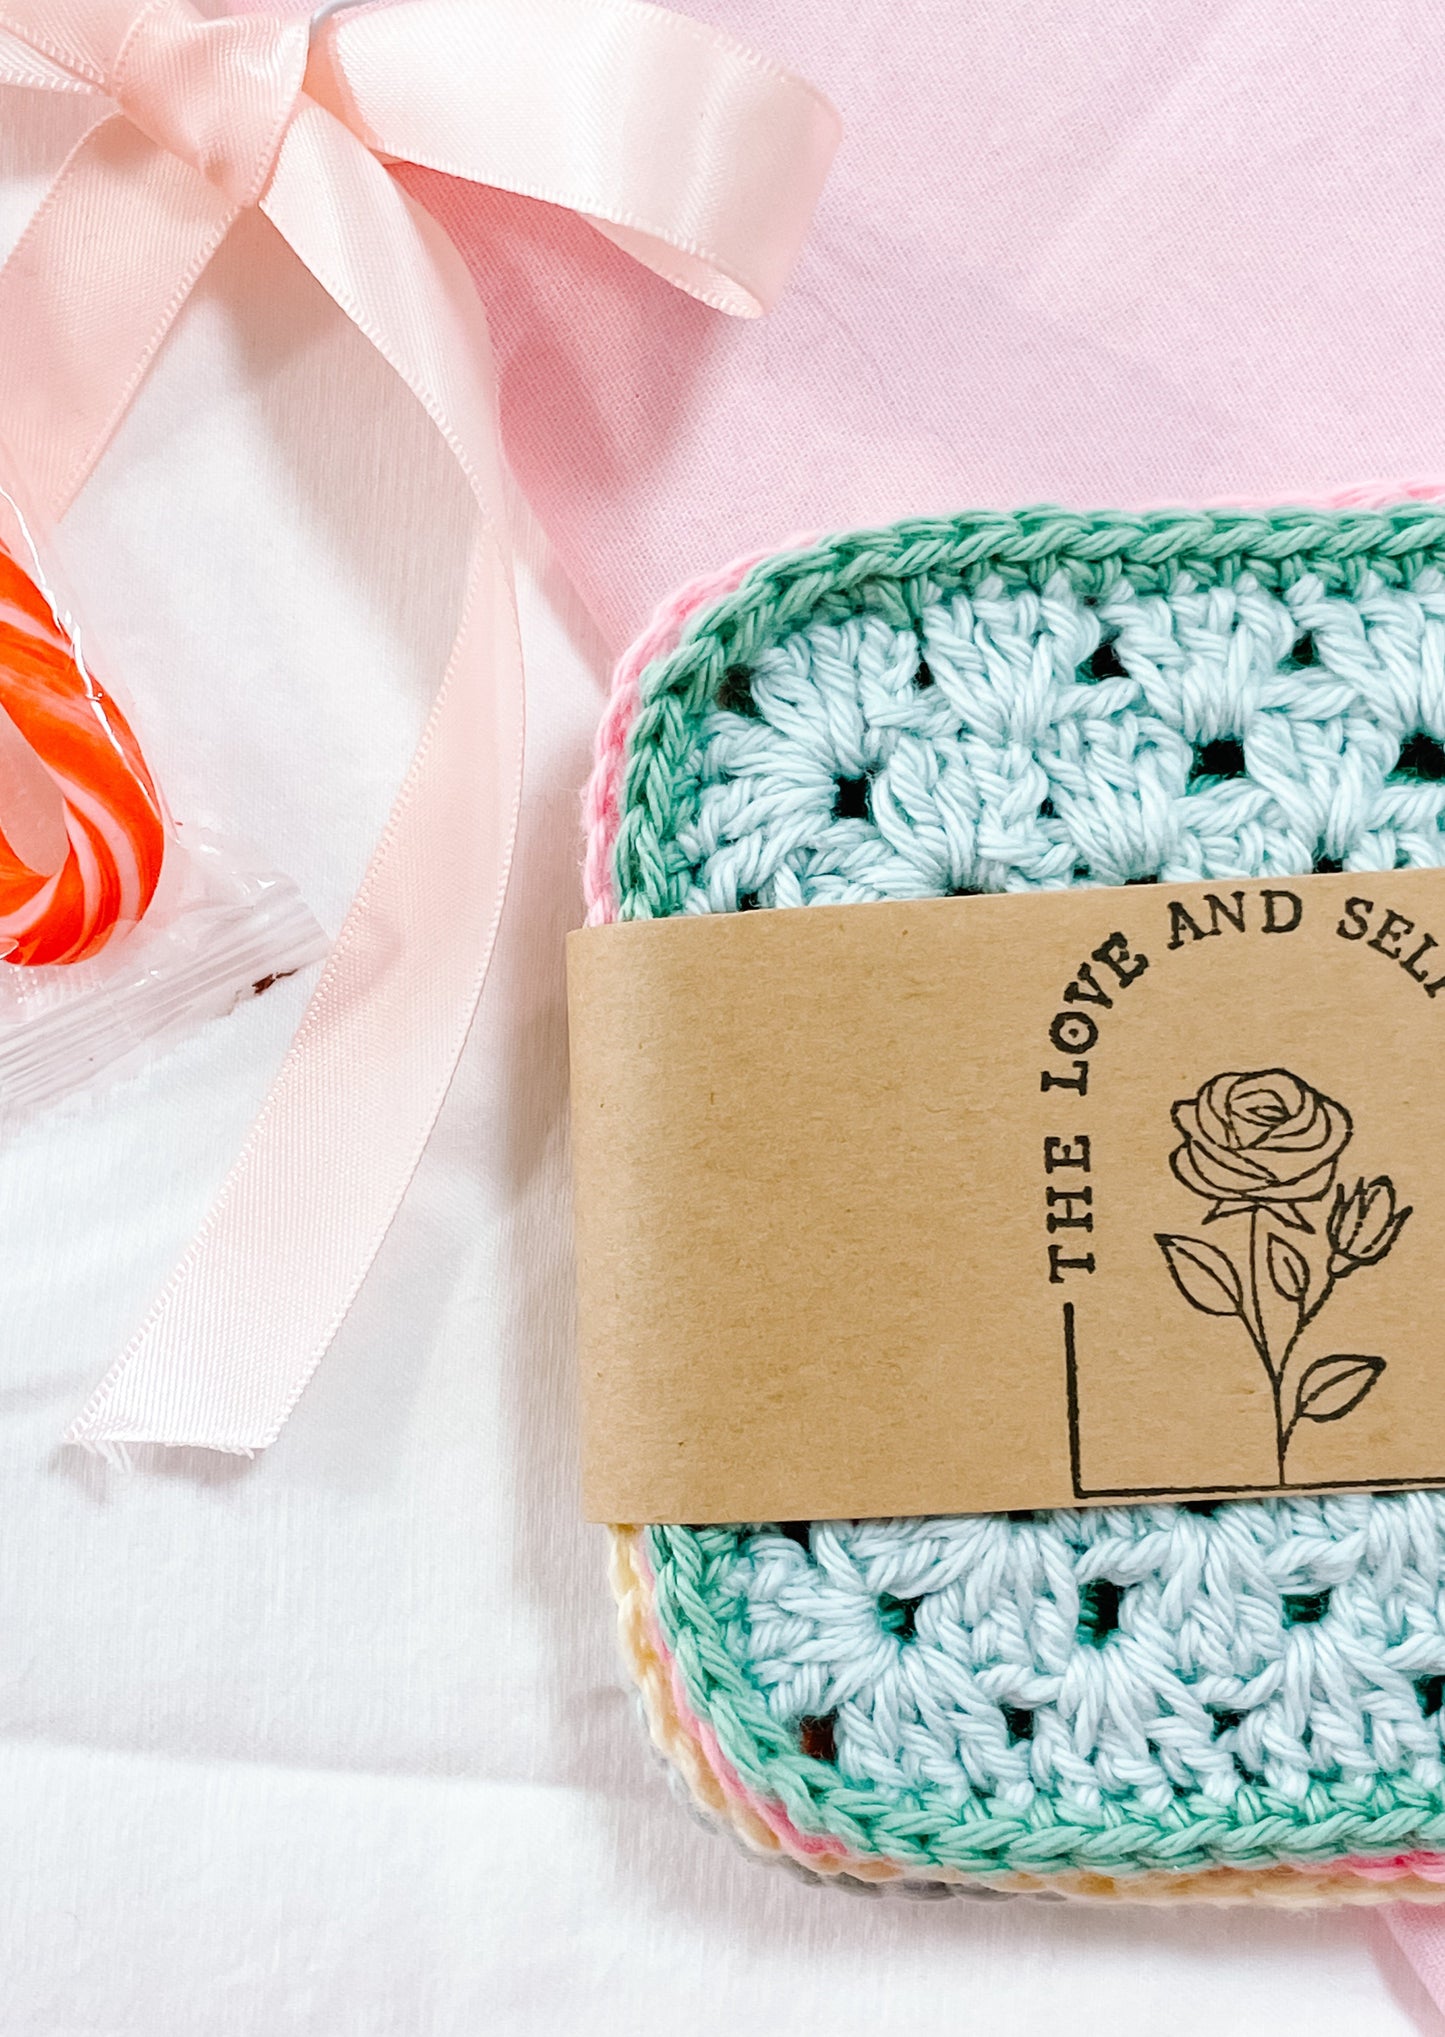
point(1267, 1146)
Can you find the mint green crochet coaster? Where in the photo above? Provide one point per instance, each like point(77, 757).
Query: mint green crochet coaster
point(1019, 702)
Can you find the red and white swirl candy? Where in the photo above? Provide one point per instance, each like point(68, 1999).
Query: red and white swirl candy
point(81, 833)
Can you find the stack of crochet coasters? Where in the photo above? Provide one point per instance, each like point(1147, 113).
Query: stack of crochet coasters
point(1228, 1701)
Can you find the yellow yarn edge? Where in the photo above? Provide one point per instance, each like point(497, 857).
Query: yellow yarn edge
point(1282, 1887)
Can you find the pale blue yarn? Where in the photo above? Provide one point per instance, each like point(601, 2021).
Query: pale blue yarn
point(1209, 1684)
point(960, 770)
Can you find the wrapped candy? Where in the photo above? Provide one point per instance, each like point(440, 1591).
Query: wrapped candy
point(122, 926)
point(112, 827)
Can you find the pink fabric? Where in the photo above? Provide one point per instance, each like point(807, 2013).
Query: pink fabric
point(1419, 1932)
point(1153, 253)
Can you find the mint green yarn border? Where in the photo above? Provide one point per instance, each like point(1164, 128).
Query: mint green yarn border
point(898, 572)
point(928, 1828)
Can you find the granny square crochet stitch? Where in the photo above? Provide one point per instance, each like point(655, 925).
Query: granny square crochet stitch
point(1241, 1698)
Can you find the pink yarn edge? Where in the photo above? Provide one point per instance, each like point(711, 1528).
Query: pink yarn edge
point(602, 816)
point(809, 1846)
point(767, 1809)
point(602, 801)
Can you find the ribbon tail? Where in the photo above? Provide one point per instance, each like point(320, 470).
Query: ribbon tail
point(141, 225)
point(228, 1348)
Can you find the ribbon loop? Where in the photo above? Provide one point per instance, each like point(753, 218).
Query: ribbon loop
point(218, 94)
point(698, 158)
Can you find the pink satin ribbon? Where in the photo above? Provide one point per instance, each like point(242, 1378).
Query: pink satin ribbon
point(695, 155)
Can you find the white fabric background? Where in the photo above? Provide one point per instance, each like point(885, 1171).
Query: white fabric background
point(337, 1742)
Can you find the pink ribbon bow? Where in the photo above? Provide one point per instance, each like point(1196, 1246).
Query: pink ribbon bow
point(690, 152)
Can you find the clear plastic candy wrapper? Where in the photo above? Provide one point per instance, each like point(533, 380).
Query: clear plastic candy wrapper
point(119, 927)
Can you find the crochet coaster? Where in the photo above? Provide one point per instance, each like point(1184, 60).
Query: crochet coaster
point(1221, 1700)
